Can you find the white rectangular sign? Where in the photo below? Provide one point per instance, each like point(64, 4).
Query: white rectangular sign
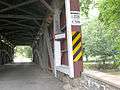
point(60, 36)
point(75, 18)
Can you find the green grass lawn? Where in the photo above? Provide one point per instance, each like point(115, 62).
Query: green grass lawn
point(91, 65)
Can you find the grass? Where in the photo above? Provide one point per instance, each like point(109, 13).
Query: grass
point(92, 66)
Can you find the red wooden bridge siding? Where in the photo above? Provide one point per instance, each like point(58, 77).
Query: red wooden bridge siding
point(78, 66)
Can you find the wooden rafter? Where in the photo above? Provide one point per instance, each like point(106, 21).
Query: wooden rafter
point(46, 5)
point(37, 23)
point(20, 32)
point(18, 5)
point(20, 16)
point(9, 23)
point(25, 11)
point(22, 41)
point(9, 5)
point(23, 25)
point(24, 37)
point(8, 29)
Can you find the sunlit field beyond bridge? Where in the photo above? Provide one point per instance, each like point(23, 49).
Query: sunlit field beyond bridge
point(21, 59)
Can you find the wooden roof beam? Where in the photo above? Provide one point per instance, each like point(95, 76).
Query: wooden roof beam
point(20, 32)
point(23, 25)
point(20, 16)
point(8, 29)
point(25, 11)
point(15, 21)
point(47, 5)
point(18, 5)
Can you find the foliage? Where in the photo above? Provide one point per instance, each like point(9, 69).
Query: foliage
point(109, 66)
point(110, 16)
point(110, 13)
point(101, 41)
point(101, 36)
point(96, 40)
point(24, 51)
point(86, 5)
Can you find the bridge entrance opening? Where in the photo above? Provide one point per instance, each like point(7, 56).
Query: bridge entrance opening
point(22, 54)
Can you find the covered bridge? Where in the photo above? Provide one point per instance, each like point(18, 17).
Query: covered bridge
point(50, 27)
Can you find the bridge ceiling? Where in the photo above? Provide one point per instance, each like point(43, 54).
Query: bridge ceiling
point(20, 20)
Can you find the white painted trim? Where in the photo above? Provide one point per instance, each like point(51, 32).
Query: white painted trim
point(60, 36)
point(75, 12)
point(57, 53)
point(69, 38)
point(56, 29)
point(64, 69)
point(54, 26)
point(75, 18)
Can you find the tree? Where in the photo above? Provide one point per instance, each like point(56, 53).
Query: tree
point(110, 13)
point(110, 16)
point(97, 40)
point(84, 6)
point(24, 51)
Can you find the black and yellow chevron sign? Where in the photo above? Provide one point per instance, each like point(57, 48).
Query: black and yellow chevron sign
point(77, 46)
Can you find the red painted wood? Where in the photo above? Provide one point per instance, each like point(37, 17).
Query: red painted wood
point(64, 56)
point(75, 28)
point(74, 5)
point(78, 66)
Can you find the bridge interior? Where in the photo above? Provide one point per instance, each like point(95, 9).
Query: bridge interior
point(23, 22)
point(50, 27)
point(29, 23)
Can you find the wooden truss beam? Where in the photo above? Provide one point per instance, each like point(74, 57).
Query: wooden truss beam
point(23, 25)
point(20, 16)
point(24, 38)
point(46, 5)
point(23, 43)
point(20, 32)
point(37, 23)
point(8, 29)
point(20, 36)
point(18, 5)
point(9, 5)
point(9, 24)
point(25, 11)
point(5, 40)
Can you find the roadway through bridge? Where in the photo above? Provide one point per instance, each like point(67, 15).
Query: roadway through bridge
point(27, 77)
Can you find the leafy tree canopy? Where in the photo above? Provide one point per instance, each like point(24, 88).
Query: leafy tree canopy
point(110, 13)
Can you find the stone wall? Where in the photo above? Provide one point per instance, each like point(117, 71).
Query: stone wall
point(93, 83)
point(86, 82)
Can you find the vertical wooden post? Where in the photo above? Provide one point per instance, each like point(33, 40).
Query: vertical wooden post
point(49, 47)
point(74, 37)
point(69, 38)
point(56, 44)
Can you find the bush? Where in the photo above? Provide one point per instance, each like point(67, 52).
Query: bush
point(114, 66)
